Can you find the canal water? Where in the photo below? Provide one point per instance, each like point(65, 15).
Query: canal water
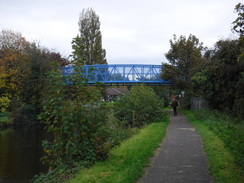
point(20, 153)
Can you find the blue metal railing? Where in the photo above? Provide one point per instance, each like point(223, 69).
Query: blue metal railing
point(122, 74)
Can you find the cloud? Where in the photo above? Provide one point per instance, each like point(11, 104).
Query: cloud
point(135, 31)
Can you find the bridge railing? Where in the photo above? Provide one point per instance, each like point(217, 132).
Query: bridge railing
point(122, 74)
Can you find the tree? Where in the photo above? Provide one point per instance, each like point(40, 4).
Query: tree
point(13, 63)
point(12, 41)
point(238, 24)
point(141, 106)
point(185, 59)
point(221, 81)
point(87, 45)
point(23, 68)
point(40, 60)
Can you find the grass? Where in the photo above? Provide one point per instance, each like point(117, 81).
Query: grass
point(223, 166)
point(128, 161)
point(110, 104)
point(167, 108)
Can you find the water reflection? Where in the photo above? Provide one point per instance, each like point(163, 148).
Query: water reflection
point(20, 153)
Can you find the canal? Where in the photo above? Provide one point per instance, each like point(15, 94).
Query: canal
point(20, 153)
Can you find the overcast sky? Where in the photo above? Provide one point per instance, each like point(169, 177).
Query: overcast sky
point(133, 31)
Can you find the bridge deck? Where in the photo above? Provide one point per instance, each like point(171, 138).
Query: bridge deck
point(122, 74)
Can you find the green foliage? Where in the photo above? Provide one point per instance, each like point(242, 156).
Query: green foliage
point(35, 85)
point(202, 87)
point(223, 142)
point(14, 71)
point(5, 120)
point(162, 92)
point(221, 80)
point(24, 114)
point(231, 133)
point(185, 60)
point(129, 160)
point(23, 68)
point(4, 104)
point(77, 46)
point(139, 107)
point(87, 45)
point(238, 108)
point(55, 176)
point(238, 24)
point(79, 123)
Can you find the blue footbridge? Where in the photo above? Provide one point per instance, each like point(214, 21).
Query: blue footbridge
point(121, 74)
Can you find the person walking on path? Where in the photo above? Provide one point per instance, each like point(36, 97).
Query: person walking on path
point(180, 157)
point(175, 105)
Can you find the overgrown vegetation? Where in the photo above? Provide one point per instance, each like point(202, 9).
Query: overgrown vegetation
point(4, 115)
point(216, 74)
point(23, 68)
point(127, 161)
point(139, 107)
point(84, 128)
point(223, 142)
point(185, 60)
point(221, 81)
point(77, 120)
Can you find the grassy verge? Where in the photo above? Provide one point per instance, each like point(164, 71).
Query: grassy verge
point(222, 161)
point(127, 161)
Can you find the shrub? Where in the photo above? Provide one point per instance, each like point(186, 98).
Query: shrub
point(4, 104)
point(78, 121)
point(75, 117)
point(139, 107)
point(24, 114)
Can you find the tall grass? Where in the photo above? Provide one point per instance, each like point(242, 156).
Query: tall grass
point(223, 142)
point(128, 161)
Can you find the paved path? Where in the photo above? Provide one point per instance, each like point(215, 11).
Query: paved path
point(180, 157)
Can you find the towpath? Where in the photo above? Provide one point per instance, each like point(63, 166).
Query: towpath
point(180, 158)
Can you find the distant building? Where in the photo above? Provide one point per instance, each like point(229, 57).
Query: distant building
point(113, 94)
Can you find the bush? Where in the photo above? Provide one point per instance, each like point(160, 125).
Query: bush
point(139, 107)
point(24, 114)
point(4, 104)
point(5, 120)
point(78, 121)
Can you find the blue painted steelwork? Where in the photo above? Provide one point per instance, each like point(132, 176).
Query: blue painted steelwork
point(122, 74)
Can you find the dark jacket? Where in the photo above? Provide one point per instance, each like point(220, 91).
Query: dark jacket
point(174, 104)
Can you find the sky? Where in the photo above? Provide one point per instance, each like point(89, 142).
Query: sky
point(133, 31)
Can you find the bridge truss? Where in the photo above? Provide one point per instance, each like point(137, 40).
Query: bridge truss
point(122, 74)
